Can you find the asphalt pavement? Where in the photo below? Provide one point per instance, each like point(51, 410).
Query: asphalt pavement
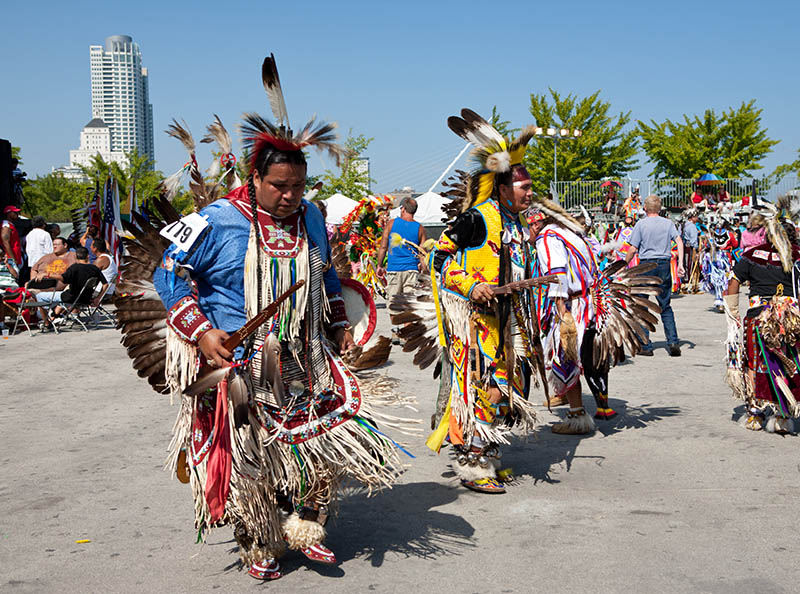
point(670, 496)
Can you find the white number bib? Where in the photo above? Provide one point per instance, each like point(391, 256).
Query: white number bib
point(185, 232)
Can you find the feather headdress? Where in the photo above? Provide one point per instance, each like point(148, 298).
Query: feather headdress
point(258, 132)
point(219, 134)
point(494, 153)
point(203, 193)
point(785, 210)
point(587, 218)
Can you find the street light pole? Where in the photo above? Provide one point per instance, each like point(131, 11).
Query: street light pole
point(555, 159)
point(557, 134)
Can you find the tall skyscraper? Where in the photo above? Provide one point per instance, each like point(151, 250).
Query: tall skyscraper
point(120, 94)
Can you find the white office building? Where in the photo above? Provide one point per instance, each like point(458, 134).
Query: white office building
point(95, 140)
point(120, 96)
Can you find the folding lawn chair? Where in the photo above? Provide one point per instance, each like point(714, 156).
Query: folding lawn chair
point(28, 305)
point(99, 310)
point(76, 310)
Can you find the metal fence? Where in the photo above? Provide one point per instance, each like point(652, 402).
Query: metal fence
point(674, 193)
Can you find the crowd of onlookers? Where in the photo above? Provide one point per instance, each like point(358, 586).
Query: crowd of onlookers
point(38, 264)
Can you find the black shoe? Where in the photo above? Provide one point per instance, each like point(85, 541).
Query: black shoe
point(674, 350)
point(646, 353)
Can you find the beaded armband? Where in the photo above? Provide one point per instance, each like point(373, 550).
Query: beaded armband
point(187, 321)
point(338, 316)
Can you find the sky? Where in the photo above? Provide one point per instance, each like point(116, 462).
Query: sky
point(395, 71)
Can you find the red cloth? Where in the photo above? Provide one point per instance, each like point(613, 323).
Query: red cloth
point(218, 483)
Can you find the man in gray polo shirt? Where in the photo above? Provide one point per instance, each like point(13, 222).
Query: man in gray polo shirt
point(652, 239)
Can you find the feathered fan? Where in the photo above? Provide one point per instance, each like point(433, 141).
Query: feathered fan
point(416, 314)
point(785, 209)
point(140, 314)
point(457, 192)
point(623, 310)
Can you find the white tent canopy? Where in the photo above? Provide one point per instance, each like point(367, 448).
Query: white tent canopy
point(338, 206)
point(429, 209)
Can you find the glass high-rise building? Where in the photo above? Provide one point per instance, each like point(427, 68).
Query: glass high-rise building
point(120, 94)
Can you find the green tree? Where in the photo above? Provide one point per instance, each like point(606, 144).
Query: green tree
point(184, 202)
point(53, 196)
point(729, 145)
point(351, 181)
point(793, 167)
point(139, 170)
point(604, 149)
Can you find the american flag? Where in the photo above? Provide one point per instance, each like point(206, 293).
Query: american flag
point(141, 209)
point(111, 224)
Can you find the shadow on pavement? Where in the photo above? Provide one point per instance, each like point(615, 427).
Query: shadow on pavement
point(662, 344)
point(634, 417)
point(402, 521)
point(537, 454)
point(542, 451)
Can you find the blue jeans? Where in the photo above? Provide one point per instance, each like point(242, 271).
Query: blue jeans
point(662, 271)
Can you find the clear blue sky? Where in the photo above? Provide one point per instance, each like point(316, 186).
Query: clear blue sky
point(395, 71)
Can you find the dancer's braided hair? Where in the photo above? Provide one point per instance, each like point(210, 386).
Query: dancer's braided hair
point(251, 192)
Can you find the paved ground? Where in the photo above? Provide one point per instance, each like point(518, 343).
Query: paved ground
point(672, 496)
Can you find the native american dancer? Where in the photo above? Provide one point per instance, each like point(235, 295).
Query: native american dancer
point(621, 242)
point(477, 313)
point(266, 441)
point(763, 349)
point(718, 262)
point(632, 204)
point(673, 268)
point(589, 318)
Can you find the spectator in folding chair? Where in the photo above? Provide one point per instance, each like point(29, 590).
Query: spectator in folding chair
point(54, 263)
point(105, 262)
point(76, 276)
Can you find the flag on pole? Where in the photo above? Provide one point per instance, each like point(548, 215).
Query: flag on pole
point(117, 210)
point(94, 213)
point(132, 202)
point(111, 219)
point(140, 209)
